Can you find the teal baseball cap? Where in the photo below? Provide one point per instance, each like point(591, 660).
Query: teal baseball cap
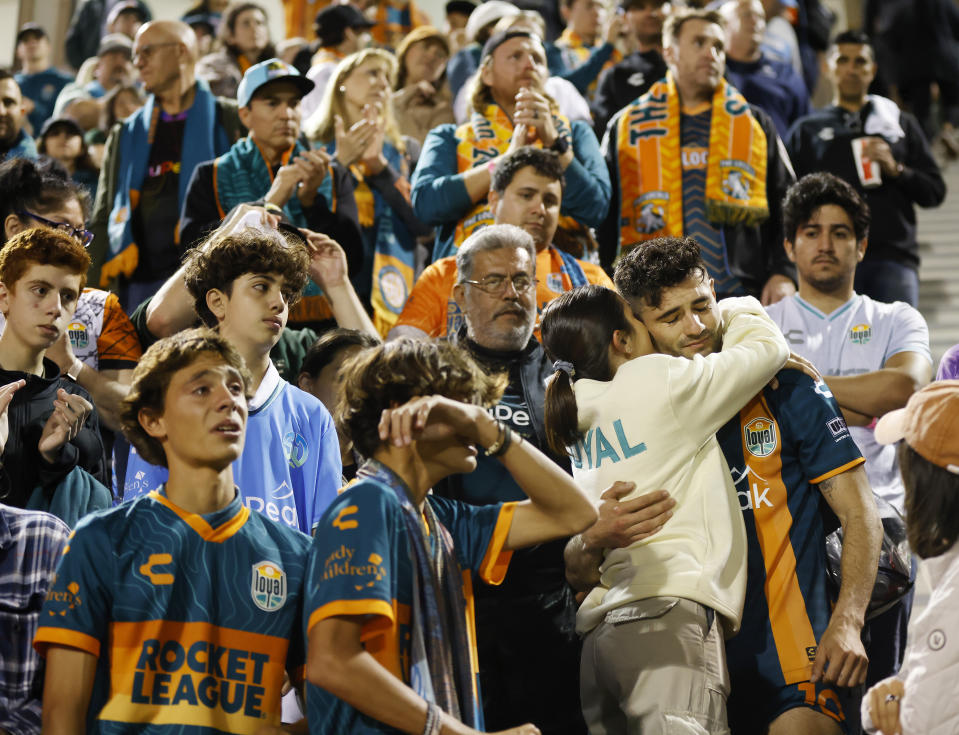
point(271, 70)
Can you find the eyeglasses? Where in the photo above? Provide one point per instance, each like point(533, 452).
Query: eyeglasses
point(496, 285)
point(147, 51)
point(84, 236)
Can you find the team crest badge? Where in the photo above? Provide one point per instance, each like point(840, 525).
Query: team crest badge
point(860, 334)
point(649, 212)
point(735, 186)
point(393, 289)
point(268, 586)
point(760, 437)
point(554, 282)
point(295, 448)
point(77, 331)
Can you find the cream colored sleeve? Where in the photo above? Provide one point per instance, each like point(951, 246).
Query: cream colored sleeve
point(706, 392)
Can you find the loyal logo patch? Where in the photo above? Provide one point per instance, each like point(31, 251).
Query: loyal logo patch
point(760, 437)
point(77, 331)
point(860, 334)
point(268, 587)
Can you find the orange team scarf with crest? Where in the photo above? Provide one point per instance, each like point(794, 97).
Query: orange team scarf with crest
point(650, 168)
point(483, 138)
point(576, 53)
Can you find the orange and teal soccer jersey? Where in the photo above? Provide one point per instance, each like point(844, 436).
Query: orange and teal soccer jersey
point(360, 564)
point(193, 619)
point(779, 448)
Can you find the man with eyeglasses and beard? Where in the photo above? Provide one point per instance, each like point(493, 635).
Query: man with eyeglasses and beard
point(528, 650)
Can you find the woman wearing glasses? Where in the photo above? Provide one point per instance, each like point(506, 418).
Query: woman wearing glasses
point(100, 348)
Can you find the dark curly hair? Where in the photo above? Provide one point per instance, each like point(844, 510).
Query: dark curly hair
point(152, 376)
point(217, 263)
point(398, 371)
point(816, 190)
point(545, 163)
point(650, 267)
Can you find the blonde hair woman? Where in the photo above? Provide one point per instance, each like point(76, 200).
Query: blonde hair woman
point(355, 124)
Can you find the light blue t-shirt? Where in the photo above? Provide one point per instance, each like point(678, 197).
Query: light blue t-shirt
point(290, 469)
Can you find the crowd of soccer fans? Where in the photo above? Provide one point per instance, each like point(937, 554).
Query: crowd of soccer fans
point(548, 367)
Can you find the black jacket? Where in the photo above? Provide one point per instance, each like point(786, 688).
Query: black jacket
point(541, 568)
point(822, 141)
point(619, 85)
point(23, 468)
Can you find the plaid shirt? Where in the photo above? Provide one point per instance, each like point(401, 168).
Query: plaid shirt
point(31, 543)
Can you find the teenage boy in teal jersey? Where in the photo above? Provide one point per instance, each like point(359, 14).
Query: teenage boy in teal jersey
point(389, 613)
point(178, 612)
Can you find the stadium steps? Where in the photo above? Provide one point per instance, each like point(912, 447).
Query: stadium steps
point(939, 271)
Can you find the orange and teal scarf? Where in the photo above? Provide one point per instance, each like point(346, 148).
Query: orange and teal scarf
point(203, 140)
point(483, 138)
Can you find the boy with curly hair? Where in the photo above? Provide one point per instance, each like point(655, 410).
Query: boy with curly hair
point(389, 617)
point(244, 284)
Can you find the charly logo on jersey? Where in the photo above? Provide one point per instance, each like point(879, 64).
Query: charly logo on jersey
point(860, 334)
point(295, 448)
point(77, 332)
point(760, 437)
point(268, 586)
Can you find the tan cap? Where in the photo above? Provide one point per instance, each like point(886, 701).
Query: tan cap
point(929, 423)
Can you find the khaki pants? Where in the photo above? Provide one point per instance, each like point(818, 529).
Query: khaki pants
point(655, 667)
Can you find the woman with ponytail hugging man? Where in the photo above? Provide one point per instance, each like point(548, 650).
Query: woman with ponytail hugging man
point(653, 652)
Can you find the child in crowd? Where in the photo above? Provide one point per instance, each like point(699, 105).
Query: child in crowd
point(180, 610)
point(244, 283)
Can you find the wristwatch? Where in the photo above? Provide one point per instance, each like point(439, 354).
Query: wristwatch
point(560, 145)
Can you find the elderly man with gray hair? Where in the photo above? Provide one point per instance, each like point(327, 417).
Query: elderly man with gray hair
point(148, 161)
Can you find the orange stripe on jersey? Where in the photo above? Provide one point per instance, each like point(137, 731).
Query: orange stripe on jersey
point(381, 639)
point(46, 637)
point(788, 619)
point(471, 628)
point(175, 673)
point(214, 535)
point(350, 607)
point(838, 470)
point(496, 561)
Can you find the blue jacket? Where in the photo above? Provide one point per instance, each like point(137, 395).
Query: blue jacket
point(440, 198)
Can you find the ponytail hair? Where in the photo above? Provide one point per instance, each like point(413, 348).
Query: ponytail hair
point(577, 329)
point(37, 185)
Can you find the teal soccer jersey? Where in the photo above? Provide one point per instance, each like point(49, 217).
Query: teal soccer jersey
point(360, 564)
point(779, 448)
point(193, 619)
